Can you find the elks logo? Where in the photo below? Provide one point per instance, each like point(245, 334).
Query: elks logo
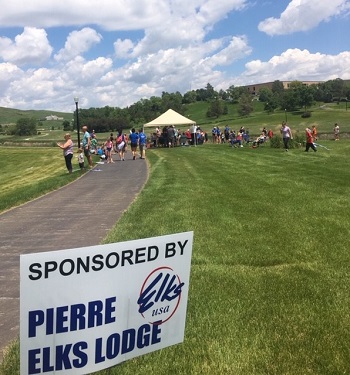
point(160, 295)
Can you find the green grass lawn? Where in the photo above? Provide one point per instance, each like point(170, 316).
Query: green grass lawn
point(29, 172)
point(270, 279)
point(324, 116)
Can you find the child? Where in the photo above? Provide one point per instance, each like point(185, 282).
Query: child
point(109, 146)
point(81, 158)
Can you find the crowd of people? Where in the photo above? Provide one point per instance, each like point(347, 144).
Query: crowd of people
point(170, 136)
point(105, 150)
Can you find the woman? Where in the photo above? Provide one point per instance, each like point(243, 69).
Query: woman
point(286, 135)
point(67, 148)
point(121, 145)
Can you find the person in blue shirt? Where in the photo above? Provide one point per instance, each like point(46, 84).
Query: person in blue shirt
point(142, 144)
point(87, 145)
point(134, 139)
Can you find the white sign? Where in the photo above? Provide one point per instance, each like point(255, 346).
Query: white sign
point(86, 309)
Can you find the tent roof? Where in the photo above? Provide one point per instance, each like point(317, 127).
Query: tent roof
point(170, 117)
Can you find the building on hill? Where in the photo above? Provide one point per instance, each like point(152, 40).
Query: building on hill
point(254, 89)
point(53, 118)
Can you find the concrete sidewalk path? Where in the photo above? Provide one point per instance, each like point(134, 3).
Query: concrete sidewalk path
point(77, 215)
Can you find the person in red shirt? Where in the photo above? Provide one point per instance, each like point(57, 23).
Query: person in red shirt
point(309, 140)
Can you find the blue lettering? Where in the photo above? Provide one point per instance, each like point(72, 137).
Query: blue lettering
point(54, 359)
point(82, 358)
point(47, 367)
point(62, 357)
point(128, 341)
point(147, 294)
point(109, 310)
point(175, 289)
point(156, 332)
point(35, 318)
point(113, 346)
point(61, 319)
point(95, 314)
point(165, 292)
point(125, 342)
point(33, 360)
point(49, 321)
point(143, 337)
point(160, 291)
point(98, 351)
point(77, 316)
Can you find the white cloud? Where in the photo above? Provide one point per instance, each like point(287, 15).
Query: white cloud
point(112, 14)
point(303, 15)
point(237, 49)
point(30, 47)
point(77, 43)
point(123, 48)
point(296, 64)
point(109, 14)
point(180, 45)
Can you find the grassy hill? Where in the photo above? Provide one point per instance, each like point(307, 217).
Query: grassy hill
point(10, 115)
point(324, 116)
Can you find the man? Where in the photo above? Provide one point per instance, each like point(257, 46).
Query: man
point(87, 145)
point(142, 144)
point(134, 140)
point(193, 130)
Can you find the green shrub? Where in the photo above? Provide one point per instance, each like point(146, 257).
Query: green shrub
point(306, 114)
point(277, 142)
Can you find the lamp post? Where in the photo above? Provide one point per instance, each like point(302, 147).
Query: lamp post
point(76, 100)
point(285, 114)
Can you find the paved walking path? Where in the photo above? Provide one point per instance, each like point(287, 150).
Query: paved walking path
point(77, 215)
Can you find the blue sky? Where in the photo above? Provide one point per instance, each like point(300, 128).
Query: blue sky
point(115, 52)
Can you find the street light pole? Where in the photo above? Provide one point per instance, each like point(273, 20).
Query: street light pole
point(285, 114)
point(76, 100)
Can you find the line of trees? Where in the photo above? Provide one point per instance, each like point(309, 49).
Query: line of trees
point(297, 97)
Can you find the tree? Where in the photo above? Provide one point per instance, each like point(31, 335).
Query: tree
point(265, 94)
point(66, 126)
point(215, 109)
point(211, 93)
point(277, 87)
point(26, 126)
point(306, 96)
point(206, 94)
point(245, 107)
point(223, 94)
point(290, 100)
point(234, 93)
point(189, 97)
point(272, 104)
point(172, 101)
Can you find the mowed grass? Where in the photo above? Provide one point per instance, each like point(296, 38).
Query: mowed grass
point(270, 278)
point(28, 172)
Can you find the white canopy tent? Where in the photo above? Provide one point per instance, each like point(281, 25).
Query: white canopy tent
point(170, 117)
